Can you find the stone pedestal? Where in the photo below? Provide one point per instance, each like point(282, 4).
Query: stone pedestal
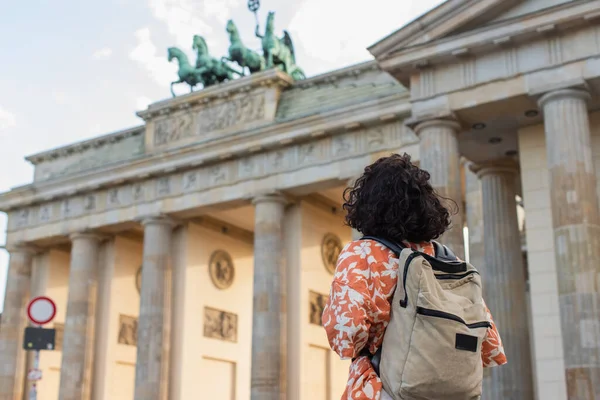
point(576, 223)
point(79, 335)
point(14, 321)
point(438, 149)
point(269, 316)
point(152, 364)
point(504, 285)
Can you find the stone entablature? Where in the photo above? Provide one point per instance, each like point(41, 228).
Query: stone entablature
point(80, 157)
point(513, 57)
point(291, 155)
point(214, 113)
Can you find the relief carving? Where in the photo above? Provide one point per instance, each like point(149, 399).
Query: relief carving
point(89, 203)
point(221, 269)
point(218, 174)
point(45, 212)
point(190, 180)
point(173, 129)
point(113, 197)
point(316, 306)
point(22, 218)
point(220, 325)
point(375, 137)
point(138, 192)
point(342, 145)
point(307, 153)
point(163, 186)
point(331, 247)
point(276, 160)
point(128, 327)
point(237, 111)
point(138, 280)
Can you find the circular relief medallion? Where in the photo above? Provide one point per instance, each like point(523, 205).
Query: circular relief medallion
point(138, 280)
point(331, 247)
point(221, 269)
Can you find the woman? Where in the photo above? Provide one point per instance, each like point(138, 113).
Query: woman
point(393, 200)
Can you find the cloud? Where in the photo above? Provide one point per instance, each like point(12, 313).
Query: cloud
point(146, 54)
point(342, 41)
point(102, 54)
point(186, 18)
point(142, 102)
point(60, 97)
point(7, 119)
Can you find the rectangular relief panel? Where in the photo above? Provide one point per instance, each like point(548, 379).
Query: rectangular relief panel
point(221, 325)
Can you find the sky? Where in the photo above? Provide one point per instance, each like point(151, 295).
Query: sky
point(71, 70)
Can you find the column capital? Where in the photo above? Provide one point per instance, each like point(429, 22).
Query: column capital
point(571, 93)
point(87, 235)
point(274, 197)
point(23, 248)
point(437, 123)
point(158, 219)
point(505, 165)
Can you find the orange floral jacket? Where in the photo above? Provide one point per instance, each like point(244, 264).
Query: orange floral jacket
point(358, 311)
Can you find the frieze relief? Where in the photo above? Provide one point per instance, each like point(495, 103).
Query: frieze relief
point(235, 112)
point(252, 166)
point(95, 156)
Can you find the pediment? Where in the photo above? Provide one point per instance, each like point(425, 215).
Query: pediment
point(456, 17)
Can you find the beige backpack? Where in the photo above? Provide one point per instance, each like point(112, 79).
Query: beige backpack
point(432, 346)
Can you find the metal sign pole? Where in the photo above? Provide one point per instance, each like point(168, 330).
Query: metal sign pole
point(36, 366)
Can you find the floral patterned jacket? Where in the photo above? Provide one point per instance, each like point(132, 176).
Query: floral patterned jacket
point(358, 311)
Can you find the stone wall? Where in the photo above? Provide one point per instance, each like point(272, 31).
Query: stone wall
point(324, 375)
point(222, 360)
point(57, 289)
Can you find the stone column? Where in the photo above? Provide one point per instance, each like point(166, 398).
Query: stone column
point(576, 223)
point(269, 318)
point(438, 149)
point(503, 277)
point(106, 267)
point(14, 321)
point(152, 364)
point(474, 212)
point(178, 276)
point(77, 355)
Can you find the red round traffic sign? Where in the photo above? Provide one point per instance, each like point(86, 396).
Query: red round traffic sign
point(41, 310)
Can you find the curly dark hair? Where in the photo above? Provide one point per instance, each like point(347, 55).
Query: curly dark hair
point(393, 200)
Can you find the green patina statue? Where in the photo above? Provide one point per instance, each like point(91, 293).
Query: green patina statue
point(279, 51)
point(242, 55)
point(187, 73)
point(212, 70)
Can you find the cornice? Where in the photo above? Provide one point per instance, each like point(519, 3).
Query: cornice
point(333, 76)
point(226, 148)
point(269, 78)
point(519, 29)
point(79, 147)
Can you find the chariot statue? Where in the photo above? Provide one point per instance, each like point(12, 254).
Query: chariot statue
point(277, 52)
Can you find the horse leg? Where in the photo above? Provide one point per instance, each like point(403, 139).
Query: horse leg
point(174, 83)
point(269, 59)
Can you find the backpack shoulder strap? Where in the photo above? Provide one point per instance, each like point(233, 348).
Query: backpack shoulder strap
point(442, 252)
point(395, 247)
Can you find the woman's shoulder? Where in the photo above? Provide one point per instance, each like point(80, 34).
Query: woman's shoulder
point(368, 250)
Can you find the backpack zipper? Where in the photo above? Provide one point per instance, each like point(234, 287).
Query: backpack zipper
point(456, 276)
point(441, 314)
